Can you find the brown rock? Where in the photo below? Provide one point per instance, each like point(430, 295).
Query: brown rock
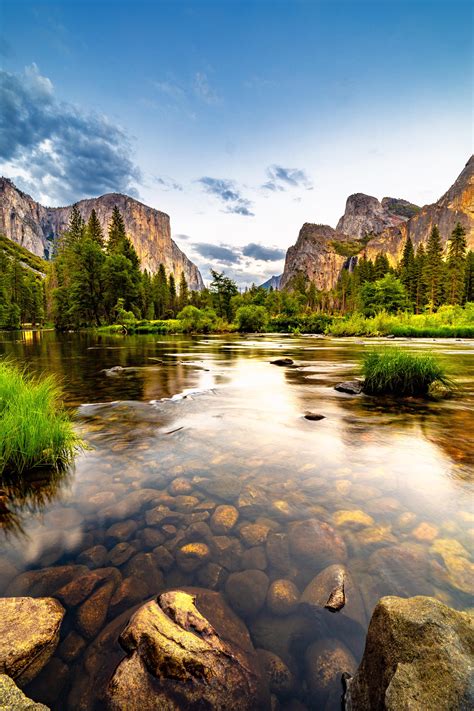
point(29, 634)
point(254, 558)
point(145, 567)
point(13, 699)
point(130, 591)
point(334, 590)
point(180, 486)
point(282, 597)
point(280, 678)
point(326, 660)
point(94, 557)
point(50, 682)
point(254, 534)
point(224, 519)
point(121, 553)
point(120, 531)
point(71, 647)
point(316, 543)
point(91, 615)
point(44, 582)
point(278, 551)
point(246, 591)
point(192, 556)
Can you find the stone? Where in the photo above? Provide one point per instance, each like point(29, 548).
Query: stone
point(199, 531)
point(145, 567)
point(91, 615)
point(130, 505)
point(185, 504)
point(333, 590)
point(223, 519)
point(187, 650)
point(163, 558)
point(180, 486)
point(418, 655)
point(402, 569)
point(375, 535)
point(278, 551)
point(94, 557)
point(286, 636)
point(227, 551)
point(50, 682)
point(352, 519)
point(226, 488)
point(425, 532)
point(280, 678)
point(71, 647)
point(246, 591)
point(254, 534)
point(81, 587)
point(254, 558)
point(325, 661)
point(438, 390)
point(29, 635)
point(130, 591)
point(13, 699)
point(121, 553)
point(212, 576)
point(192, 556)
point(120, 531)
point(351, 387)
point(151, 538)
point(316, 543)
point(162, 515)
point(282, 597)
point(282, 361)
point(252, 501)
point(44, 582)
point(314, 416)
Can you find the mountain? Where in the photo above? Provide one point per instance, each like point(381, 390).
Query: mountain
point(272, 283)
point(31, 225)
point(369, 227)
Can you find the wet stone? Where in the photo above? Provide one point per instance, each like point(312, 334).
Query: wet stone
point(71, 647)
point(246, 591)
point(225, 487)
point(326, 660)
point(192, 556)
point(351, 387)
point(282, 361)
point(13, 699)
point(227, 551)
point(278, 551)
point(224, 519)
point(163, 558)
point(334, 590)
point(151, 538)
point(402, 570)
point(81, 587)
point(254, 558)
point(254, 534)
point(121, 531)
point(199, 531)
point(180, 486)
point(282, 597)
point(169, 530)
point(161, 515)
point(280, 678)
point(50, 682)
point(94, 557)
point(130, 591)
point(43, 582)
point(121, 553)
point(253, 501)
point(316, 543)
point(145, 567)
point(425, 532)
point(212, 576)
point(185, 504)
point(91, 615)
point(352, 519)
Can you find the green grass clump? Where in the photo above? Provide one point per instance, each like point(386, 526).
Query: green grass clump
point(35, 430)
point(395, 372)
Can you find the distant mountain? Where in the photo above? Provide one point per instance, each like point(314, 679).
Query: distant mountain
point(273, 283)
point(35, 227)
point(369, 227)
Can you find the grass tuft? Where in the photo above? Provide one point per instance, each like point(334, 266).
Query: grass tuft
point(35, 430)
point(395, 372)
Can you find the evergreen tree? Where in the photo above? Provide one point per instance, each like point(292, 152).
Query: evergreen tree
point(420, 290)
point(456, 264)
point(117, 233)
point(433, 269)
point(94, 230)
point(75, 230)
point(173, 301)
point(160, 290)
point(86, 295)
point(183, 299)
point(469, 277)
point(408, 275)
point(381, 266)
point(223, 289)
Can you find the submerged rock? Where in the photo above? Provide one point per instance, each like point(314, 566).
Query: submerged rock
point(351, 387)
point(316, 543)
point(13, 699)
point(282, 361)
point(280, 678)
point(313, 416)
point(246, 591)
point(326, 660)
point(29, 634)
point(224, 519)
point(187, 650)
point(334, 590)
point(282, 597)
point(418, 655)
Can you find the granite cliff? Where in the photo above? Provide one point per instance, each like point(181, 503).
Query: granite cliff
point(35, 227)
point(371, 227)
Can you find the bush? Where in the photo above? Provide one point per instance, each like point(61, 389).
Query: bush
point(251, 318)
point(197, 320)
point(395, 372)
point(35, 430)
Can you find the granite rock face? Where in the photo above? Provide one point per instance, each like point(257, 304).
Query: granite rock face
point(320, 253)
point(36, 227)
point(418, 655)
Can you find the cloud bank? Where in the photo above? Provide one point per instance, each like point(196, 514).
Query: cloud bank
point(228, 193)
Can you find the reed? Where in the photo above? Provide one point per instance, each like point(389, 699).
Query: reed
point(392, 371)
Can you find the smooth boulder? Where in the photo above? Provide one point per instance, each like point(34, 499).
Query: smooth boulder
point(418, 655)
point(316, 543)
point(187, 650)
point(29, 634)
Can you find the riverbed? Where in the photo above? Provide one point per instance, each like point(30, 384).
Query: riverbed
point(177, 426)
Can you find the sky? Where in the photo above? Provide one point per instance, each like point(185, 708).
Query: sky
point(240, 119)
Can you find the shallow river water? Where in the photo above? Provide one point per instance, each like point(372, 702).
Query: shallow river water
point(188, 424)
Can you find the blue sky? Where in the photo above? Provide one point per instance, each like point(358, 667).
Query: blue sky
point(241, 120)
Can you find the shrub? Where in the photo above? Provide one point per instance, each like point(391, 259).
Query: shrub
point(197, 320)
point(395, 372)
point(35, 430)
point(251, 318)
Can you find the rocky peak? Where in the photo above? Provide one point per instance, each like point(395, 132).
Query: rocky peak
point(315, 254)
point(31, 225)
point(365, 215)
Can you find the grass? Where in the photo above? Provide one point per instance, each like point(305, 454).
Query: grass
point(35, 430)
point(395, 372)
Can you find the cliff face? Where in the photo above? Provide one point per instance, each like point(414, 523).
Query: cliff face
point(315, 255)
point(318, 254)
point(36, 227)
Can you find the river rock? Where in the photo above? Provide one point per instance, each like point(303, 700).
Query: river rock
point(71, 647)
point(352, 519)
point(326, 660)
point(313, 416)
point(130, 505)
point(402, 569)
point(227, 551)
point(254, 558)
point(224, 519)
point(145, 567)
point(187, 650)
point(50, 682)
point(253, 501)
point(120, 531)
point(316, 543)
point(192, 556)
point(81, 587)
point(278, 551)
point(418, 655)
point(163, 558)
point(180, 486)
point(212, 576)
point(94, 557)
point(246, 591)
point(91, 615)
point(226, 488)
point(13, 699)
point(282, 597)
point(29, 634)
point(162, 515)
point(280, 678)
point(254, 534)
point(151, 538)
point(351, 387)
point(44, 582)
point(130, 591)
point(286, 636)
point(282, 361)
point(333, 590)
point(121, 553)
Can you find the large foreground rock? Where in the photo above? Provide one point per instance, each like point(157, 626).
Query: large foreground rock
point(29, 634)
point(187, 650)
point(418, 655)
point(13, 699)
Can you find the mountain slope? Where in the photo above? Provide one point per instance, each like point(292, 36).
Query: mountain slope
point(35, 227)
point(321, 252)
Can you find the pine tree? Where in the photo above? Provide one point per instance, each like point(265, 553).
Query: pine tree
point(469, 277)
point(381, 266)
point(94, 229)
point(172, 296)
point(183, 292)
point(160, 291)
point(408, 270)
point(116, 231)
point(456, 263)
point(420, 288)
point(433, 269)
